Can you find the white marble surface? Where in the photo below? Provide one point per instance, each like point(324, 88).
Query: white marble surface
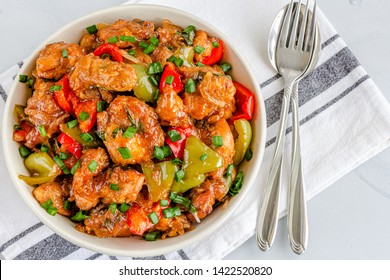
point(349, 220)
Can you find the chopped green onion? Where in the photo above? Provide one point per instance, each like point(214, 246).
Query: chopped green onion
point(179, 175)
point(30, 82)
point(63, 156)
point(176, 60)
point(174, 135)
point(131, 52)
point(155, 68)
point(114, 187)
point(124, 207)
point(143, 44)
point(164, 202)
point(44, 148)
point(200, 64)
point(149, 49)
point(17, 127)
point(177, 161)
point(190, 86)
point(112, 207)
point(55, 88)
point(125, 153)
point(74, 168)
point(130, 39)
point(130, 132)
point(73, 123)
point(101, 135)
point(203, 157)
point(61, 164)
point(226, 67)
point(47, 204)
point(115, 132)
point(189, 29)
point(151, 236)
point(92, 166)
point(153, 80)
point(23, 78)
point(237, 184)
point(52, 210)
point(199, 49)
point(158, 153)
point(106, 55)
point(169, 80)
point(248, 154)
point(156, 95)
point(83, 116)
point(167, 151)
point(217, 141)
point(79, 216)
point(170, 48)
point(86, 137)
point(189, 35)
point(176, 211)
point(101, 106)
point(42, 130)
point(180, 200)
point(92, 29)
point(24, 151)
point(229, 169)
point(67, 205)
point(153, 218)
point(64, 53)
point(168, 213)
point(154, 41)
point(112, 40)
point(215, 44)
point(192, 209)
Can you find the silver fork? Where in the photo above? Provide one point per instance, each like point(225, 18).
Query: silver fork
point(293, 52)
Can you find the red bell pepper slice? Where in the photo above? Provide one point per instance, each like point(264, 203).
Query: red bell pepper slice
point(170, 70)
point(86, 122)
point(70, 144)
point(110, 49)
point(138, 219)
point(215, 56)
point(245, 102)
point(65, 97)
point(178, 146)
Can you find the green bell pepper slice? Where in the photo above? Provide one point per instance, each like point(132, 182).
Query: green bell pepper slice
point(159, 178)
point(187, 54)
point(39, 164)
point(241, 144)
point(187, 183)
point(75, 133)
point(199, 158)
point(144, 89)
point(42, 168)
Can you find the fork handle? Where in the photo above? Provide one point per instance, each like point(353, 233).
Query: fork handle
point(267, 217)
point(297, 212)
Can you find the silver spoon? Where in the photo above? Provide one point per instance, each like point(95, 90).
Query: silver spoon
point(297, 214)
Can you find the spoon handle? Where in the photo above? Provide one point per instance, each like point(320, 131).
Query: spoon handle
point(267, 217)
point(297, 212)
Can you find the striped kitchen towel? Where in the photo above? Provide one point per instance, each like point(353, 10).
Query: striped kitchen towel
point(345, 120)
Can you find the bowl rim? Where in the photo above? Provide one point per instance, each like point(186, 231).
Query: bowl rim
point(6, 135)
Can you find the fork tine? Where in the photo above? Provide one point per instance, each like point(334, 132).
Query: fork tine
point(285, 30)
point(310, 33)
point(294, 29)
point(302, 32)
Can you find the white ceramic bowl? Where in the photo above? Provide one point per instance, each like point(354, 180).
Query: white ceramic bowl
point(134, 247)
